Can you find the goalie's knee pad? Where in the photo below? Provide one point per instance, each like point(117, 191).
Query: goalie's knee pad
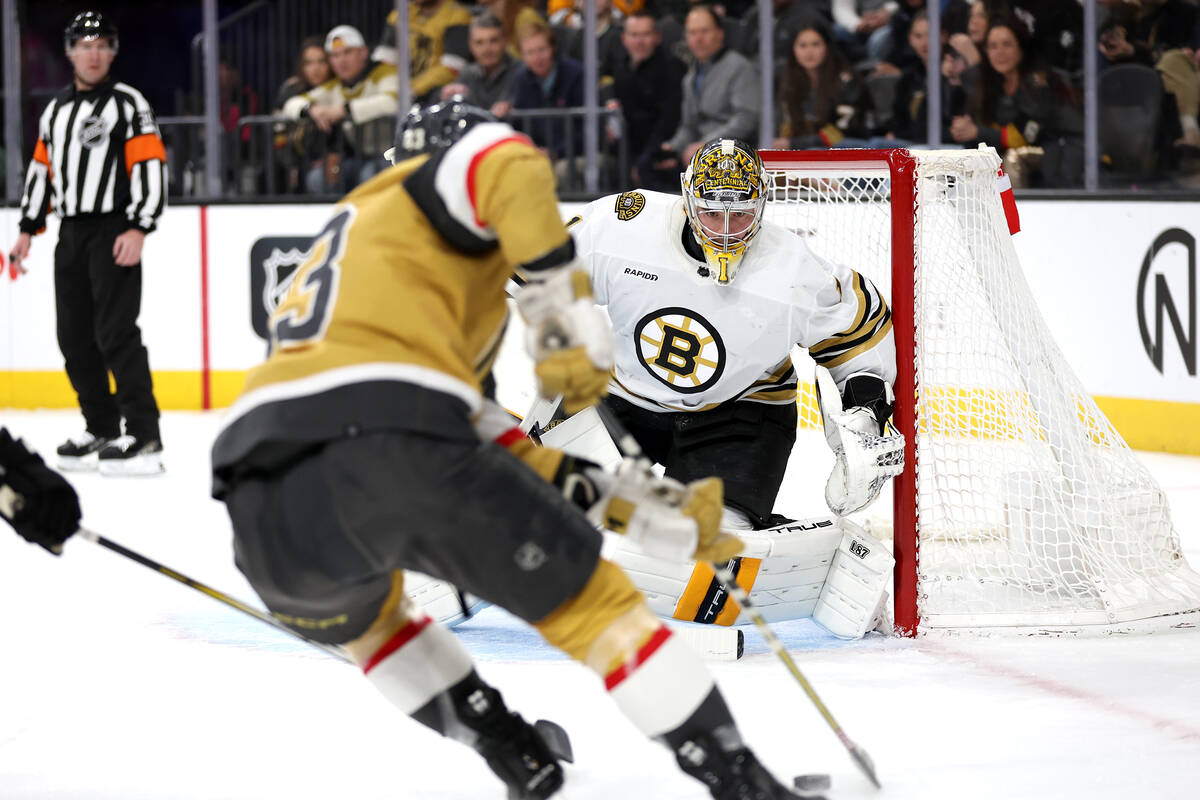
point(854, 597)
point(783, 569)
point(583, 435)
point(441, 600)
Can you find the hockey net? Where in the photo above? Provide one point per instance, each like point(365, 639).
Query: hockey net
point(1021, 507)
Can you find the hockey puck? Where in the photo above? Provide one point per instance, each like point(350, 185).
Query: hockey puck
point(812, 783)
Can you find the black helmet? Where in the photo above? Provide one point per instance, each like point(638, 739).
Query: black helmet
point(437, 126)
point(89, 25)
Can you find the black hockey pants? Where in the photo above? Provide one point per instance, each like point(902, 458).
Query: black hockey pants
point(97, 305)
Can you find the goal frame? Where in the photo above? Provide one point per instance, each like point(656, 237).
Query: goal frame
point(901, 166)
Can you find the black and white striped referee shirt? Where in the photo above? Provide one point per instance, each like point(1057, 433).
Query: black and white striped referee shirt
point(98, 151)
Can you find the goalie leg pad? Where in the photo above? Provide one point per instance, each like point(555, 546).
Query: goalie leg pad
point(856, 586)
point(583, 435)
point(441, 600)
point(782, 568)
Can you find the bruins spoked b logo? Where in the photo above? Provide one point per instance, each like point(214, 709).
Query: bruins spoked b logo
point(681, 349)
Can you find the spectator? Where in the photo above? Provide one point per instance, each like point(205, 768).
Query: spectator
point(237, 99)
point(1163, 36)
point(862, 27)
point(609, 50)
point(820, 95)
point(969, 45)
point(648, 86)
point(788, 16)
point(900, 51)
point(356, 111)
point(544, 80)
point(721, 96)
point(490, 80)
point(1057, 29)
point(1028, 114)
point(437, 45)
point(516, 16)
point(558, 12)
point(910, 121)
point(312, 70)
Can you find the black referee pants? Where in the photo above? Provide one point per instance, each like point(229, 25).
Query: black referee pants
point(98, 304)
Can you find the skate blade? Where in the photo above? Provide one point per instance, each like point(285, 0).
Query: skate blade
point(138, 466)
point(86, 463)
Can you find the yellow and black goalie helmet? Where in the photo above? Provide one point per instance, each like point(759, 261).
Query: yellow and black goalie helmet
point(724, 194)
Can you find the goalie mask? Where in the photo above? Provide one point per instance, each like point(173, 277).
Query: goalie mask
point(429, 128)
point(724, 194)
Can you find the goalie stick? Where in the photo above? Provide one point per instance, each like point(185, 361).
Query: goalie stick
point(630, 448)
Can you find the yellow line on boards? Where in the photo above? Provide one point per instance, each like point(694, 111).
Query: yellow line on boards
point(1144, 424)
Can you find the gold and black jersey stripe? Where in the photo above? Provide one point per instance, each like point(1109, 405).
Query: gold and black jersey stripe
point(871, 326)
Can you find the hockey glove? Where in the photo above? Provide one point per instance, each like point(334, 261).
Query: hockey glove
point(568, 337)
point(665, 518)
point(868, 451)
point(34, 499)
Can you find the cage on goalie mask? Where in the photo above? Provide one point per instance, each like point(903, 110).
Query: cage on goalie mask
point(724, 194)
point(89, 25)
point(434, 127)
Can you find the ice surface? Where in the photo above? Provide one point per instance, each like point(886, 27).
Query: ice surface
point(116, 682)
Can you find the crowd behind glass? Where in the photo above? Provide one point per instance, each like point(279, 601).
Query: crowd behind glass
point(849, 73)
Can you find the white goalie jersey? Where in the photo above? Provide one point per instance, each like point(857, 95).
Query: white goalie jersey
point(684, 343)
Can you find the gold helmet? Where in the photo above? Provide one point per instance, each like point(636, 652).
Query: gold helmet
point(724, 193)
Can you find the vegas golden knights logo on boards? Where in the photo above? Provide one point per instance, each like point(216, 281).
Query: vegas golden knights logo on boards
point(629, 205)
point(681, 349)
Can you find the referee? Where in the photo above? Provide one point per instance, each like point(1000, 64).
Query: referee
point(101, 164)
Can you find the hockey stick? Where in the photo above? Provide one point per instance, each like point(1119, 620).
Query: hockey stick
point(630, 448)
point(552, 733)
point(220, 596)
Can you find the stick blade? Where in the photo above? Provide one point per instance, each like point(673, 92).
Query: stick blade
point(865, 764)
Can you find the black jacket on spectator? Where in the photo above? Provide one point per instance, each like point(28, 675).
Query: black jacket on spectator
point(651, 95)
point(808, 123)
point(1057, 31)
point(1040, 114)
point(609, 50)
point(910, 116)
point(565, 91)
point(485, 90)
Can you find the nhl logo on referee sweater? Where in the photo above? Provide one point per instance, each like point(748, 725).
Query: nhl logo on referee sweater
point(93, 132)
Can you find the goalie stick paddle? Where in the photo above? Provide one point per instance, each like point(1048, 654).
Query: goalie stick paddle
point(630, 448)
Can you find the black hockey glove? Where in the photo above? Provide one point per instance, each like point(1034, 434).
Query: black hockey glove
point(34, 499)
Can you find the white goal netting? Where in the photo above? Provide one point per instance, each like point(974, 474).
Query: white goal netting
point(1032, 512)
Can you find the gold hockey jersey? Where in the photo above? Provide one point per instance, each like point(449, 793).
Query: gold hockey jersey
point(402, 288)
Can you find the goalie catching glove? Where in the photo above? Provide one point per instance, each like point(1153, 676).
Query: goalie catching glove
point(867, 450)
point(568, 336)
point(663, 517)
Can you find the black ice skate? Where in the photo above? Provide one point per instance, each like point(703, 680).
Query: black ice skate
point(730, 774)
point(81, 452)
point(518, 754)
point(130, 455)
